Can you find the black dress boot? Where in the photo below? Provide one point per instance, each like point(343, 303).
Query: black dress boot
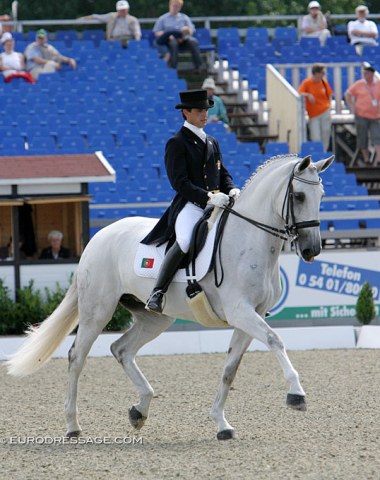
point(168, 269)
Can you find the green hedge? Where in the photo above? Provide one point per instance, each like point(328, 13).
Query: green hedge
point(32, 307)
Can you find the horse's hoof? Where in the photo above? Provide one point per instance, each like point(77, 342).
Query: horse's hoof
point(226, 434)
point(297, 402)
point(74, 434)
point(136, 419)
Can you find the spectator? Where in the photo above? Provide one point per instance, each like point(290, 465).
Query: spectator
point(315, 24)
point(120, 25)
point(12, 64)
point(55, 250)
point(41, 57)
point(195, 169)
point(362, 31)
point(174, 31)
point(218, 112)
point(5, 27)
point(363, 99)
point(318, 96)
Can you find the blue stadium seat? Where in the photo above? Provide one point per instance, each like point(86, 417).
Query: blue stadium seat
point(256, 37)
point(132, 140)
point(309, 43)
point(67, 36)
point(102, 142)
point(73, 144)
point(12, 146)
point(336, 40)
point(31, 132)
point(308, 148)
point(215, 129)
point(203, 35)
point(372, 222)
point(286, 32)
point(276, 148)
point(346, 224)
point(354, 190)
point(95, 36)
point(227, 37)
point(37, 145)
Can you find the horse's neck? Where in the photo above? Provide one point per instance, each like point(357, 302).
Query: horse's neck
point(261, 200)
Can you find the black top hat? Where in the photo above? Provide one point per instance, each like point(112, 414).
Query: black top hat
point(194, 99)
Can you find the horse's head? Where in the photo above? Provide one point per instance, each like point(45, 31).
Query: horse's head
point(302, 204)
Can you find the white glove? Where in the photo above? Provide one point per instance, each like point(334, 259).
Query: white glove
point(234, 193)
point(218, 199)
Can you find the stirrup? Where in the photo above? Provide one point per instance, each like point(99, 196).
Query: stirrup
point(161, 295)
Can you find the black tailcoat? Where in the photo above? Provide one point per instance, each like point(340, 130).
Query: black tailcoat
point(194, 169)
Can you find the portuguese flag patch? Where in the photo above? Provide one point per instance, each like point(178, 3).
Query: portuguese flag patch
point(147, 263)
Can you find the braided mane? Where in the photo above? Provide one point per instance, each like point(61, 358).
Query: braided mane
point(266, 164)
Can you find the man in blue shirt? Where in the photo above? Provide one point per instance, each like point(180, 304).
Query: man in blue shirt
point(173, 31)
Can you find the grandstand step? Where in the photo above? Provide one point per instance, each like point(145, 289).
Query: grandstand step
point(369, 176)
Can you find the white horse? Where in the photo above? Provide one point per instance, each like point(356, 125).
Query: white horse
point(281, 200)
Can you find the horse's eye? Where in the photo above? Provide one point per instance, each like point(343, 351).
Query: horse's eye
point(299, 196)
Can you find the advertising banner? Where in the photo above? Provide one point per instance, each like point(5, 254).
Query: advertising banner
point(327, 288)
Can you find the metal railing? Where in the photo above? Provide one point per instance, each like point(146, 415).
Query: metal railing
point(211, 23)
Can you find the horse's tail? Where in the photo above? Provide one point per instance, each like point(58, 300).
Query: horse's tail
point(42, 341)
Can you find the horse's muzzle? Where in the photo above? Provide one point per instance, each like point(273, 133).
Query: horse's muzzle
point(308, 254)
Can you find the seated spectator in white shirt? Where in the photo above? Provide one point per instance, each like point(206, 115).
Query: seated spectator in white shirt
point(315, 24)
point(362, 31)
point(12, 64)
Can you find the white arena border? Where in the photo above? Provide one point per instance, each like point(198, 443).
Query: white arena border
point(217, 341)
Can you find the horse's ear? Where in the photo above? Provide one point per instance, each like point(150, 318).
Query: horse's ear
point(322, 165)
point(304, 163)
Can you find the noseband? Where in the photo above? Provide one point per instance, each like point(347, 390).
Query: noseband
point(290, 230)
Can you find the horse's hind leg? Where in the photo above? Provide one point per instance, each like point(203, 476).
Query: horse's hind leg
point(239, 343)
point(90, 326)
point(147, 327)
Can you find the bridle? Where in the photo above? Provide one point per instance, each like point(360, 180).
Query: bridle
point(290, 230)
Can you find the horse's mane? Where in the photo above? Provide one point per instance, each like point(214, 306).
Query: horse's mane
point(273, 161)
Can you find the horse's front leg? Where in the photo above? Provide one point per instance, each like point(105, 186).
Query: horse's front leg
point(248, 320)
point(239, 343)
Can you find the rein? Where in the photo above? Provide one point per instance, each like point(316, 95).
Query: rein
point(290, 232)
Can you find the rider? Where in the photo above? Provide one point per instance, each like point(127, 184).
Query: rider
point(195, 170)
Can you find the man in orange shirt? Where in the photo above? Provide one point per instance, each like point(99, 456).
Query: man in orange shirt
point(363, 99)
point(318, 96)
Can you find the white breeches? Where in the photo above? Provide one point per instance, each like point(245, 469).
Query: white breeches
point(184, 225)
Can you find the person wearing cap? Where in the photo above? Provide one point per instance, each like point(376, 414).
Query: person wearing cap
point(120, 25)
point(315, 24)
point(195, 169)
point(173, 32)
point(218, 112)
point(318, 92)
point(362, 31)
point(12, 64)
point(363, 99)
point(41, 57)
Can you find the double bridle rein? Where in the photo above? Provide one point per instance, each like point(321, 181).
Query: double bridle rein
point(288, 233)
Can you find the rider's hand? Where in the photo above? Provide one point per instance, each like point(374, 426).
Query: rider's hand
point(218, 199)
point(234, 193)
